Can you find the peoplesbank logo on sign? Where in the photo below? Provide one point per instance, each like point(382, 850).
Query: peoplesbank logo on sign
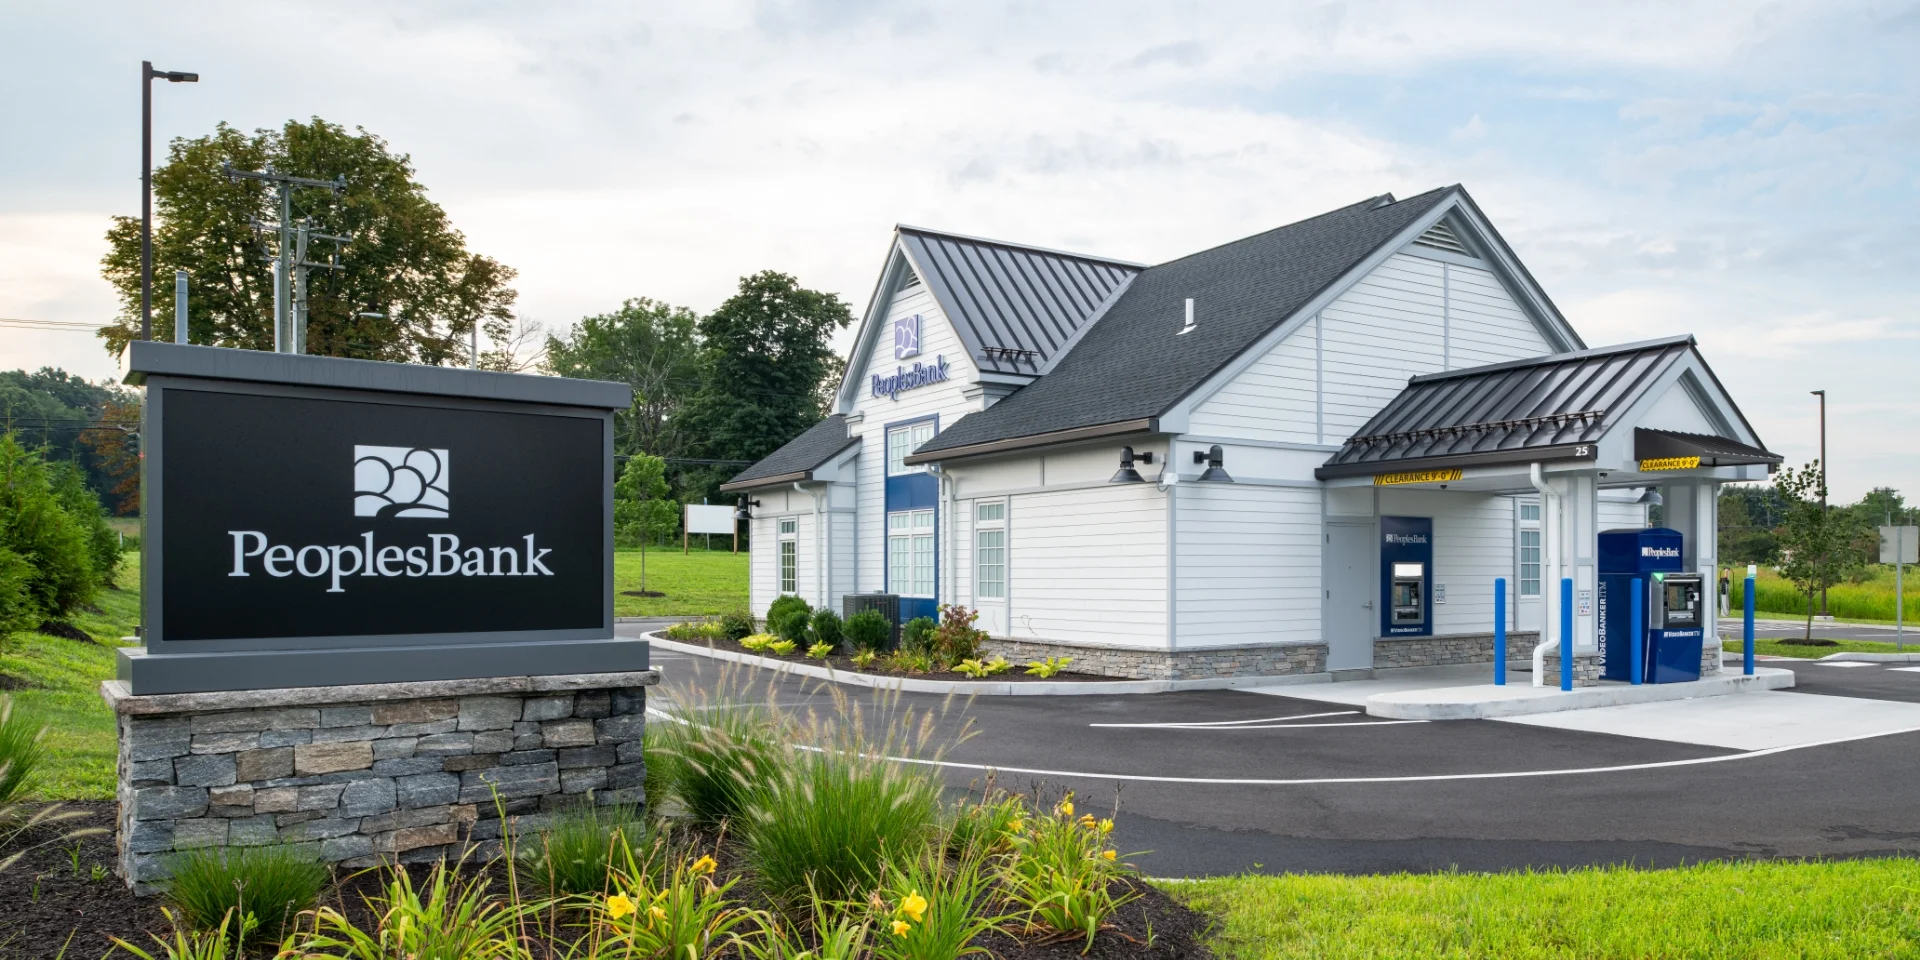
point(392, 482)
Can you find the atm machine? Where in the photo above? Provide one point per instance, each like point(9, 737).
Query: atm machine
point(1406, 576)
point(1675, 609)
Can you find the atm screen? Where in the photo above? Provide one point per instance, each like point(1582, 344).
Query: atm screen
point(1682, 602)
point(1408, 579)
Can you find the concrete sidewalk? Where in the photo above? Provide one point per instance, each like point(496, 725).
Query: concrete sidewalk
point(1466, 693)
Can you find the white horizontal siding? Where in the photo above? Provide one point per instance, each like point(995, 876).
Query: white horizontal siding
point(1273, 399)
point(1472, 545)
point(1484, 324)
point(1618, 515)
point(1248, 561)
point(1089, 566)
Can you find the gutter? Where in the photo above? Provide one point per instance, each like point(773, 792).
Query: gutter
point(1142, 425)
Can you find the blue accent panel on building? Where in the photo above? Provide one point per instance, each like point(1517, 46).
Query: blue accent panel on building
point(914, 491)
point(1406, 602)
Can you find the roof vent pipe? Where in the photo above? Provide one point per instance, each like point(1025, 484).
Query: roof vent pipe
point(1189, 327)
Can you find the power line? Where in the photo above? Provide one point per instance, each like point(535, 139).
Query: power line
point(18, 323)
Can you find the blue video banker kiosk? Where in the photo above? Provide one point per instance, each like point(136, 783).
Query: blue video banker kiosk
point(1674, 605)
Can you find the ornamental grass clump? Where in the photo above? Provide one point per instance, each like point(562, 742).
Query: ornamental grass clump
point(261, 889)
point(220, 943)
point(837, 810)
point(831, 933)
point(577, 852)
point(451, 915)
point(1060, 870)
point(680, 914)
point(722, 752)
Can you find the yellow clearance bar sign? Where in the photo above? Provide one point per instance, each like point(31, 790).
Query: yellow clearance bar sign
point(1669, 463)
point(1416, 476)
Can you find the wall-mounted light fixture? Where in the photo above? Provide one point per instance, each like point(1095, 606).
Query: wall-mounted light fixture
point(1127, 474)
point(744, 509)
point(1213, 458)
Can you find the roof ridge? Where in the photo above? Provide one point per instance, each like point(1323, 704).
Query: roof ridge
point(1554, 358)
point(1369, 203)
point(1009, 244)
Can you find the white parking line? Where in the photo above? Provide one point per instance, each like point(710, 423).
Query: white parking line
point(1906, 669)
point(1840, 663)
point(1231, 723)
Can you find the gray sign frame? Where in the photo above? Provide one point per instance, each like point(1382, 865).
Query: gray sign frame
point(193, 666)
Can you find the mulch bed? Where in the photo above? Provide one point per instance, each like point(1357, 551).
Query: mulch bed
point(1802, 642)
point(50, 908)
point(64, 630)
point(844, 664)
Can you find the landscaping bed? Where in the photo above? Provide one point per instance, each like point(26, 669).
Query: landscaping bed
point(843, 661)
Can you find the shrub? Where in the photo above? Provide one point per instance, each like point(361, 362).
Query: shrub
point(264, 887)
point(930, 909)
point(1047, 667)
point(838, 809)
point(907, 660)
point(869, 630)
point(737, 624)
point(917, 635)
point(827, 628)
point(103, 544)
point(1061, 871)
point(955, 639)
point(696, 631)
point(577, 852)
point(973, 668)
point(758, 641)
point(782, 647)
point(788, 618)
point(37, 527)
point(450, 914)
point(820, 651)
point(18, 611)
point(722, 758)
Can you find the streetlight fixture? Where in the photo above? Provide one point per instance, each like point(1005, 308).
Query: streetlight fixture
point(1822, 394)
point(147, 75)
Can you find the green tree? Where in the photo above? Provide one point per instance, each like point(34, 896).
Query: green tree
point(643, 508)
point(1741, 539)
point(103, 544)
point(58, 413)
point(1885, 505)
point(37, 528)
point(650, 346)
point(406, 264)
point(764, 355)
point(1819, 545)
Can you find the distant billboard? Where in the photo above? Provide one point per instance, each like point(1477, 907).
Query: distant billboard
point(705, 518)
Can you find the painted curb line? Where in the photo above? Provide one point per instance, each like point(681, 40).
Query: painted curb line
point(1424, 705)
point(990, 688)
point(1873, 657)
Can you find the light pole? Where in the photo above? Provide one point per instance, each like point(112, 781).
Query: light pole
point(147, 75)
point(1822, 394)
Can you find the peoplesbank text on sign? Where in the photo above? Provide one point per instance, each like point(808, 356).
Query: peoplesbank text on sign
point(292, 516)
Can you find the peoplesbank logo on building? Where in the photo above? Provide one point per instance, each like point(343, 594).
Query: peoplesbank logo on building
point(394, 482)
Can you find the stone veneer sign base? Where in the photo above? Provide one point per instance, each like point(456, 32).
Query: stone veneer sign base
point(370, 772)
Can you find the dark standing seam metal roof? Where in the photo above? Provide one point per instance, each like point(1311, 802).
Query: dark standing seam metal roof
point(1003, 297)
point(797, 458)
point(1650, 444)
point(1504, 412)
point(1130, 366)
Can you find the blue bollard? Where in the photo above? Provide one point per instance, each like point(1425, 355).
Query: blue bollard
point(1500, 631)
point(1746, 659)
point(1566, 634)
point(1638, 617)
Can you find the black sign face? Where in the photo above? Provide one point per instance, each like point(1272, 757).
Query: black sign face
point(302, 517)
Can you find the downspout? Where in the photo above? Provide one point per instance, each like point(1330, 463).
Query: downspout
point(1549, 567)
point(819, 536)
point(953, 526)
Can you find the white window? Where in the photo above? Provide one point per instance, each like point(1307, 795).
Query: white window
point(990, 551)
point(789, 556)
point(1530, 563)
point(1530, 512)
point(910, 553)
point(902, 440)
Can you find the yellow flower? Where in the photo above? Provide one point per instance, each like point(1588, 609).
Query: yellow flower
point(900, 927)
point(705, 865)
point(914, 906)
point(1017, 826)
point(1106, 826)
point(1066, 808)
point(1108, 854)
point(619, 906)
point(1086, 820)
point(659, 914)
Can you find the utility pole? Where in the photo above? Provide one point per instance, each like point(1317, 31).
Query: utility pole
point(290, 263)
point(1822, 394)
point(147, 75)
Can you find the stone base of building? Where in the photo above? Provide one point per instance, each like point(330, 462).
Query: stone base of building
point(1393, 652)
point(1710, 657)
point(1266, 660)
point(1587, 668)
point(361, 774)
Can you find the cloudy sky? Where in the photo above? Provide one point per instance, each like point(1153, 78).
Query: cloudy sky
point(1747, 172)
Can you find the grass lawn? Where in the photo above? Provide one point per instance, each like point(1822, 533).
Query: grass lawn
point(1852, 909)
point(1774, 648)
point(698, 583)
point(64, 691)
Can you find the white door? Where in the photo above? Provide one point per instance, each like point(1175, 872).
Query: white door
point(1349, 616)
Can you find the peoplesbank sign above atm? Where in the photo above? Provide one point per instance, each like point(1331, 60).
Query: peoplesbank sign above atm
point(320, 521)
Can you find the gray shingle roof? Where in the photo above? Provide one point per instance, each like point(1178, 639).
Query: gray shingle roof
point(1507, 411)
point(797, 458)
point(1130, 365)
point(1014, 307)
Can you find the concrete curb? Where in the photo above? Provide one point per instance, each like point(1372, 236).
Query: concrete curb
point(990, 688)
point(1874, 657)
point(1487, 701)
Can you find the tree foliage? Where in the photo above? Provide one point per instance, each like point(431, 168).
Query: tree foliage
point(63, 416)
point(405, 263)
point(643, 508)
point(764, 354)
point(37, 527)
point(1819, 545)
point(650, 346)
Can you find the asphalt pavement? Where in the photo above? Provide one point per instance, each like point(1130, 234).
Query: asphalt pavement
point(1212, 782)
